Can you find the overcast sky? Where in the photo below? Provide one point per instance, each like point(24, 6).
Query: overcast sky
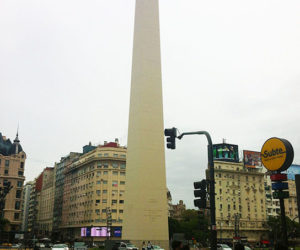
point(229, 67)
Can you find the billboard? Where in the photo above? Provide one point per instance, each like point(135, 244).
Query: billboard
point(100, 232)
point(226, 152)
point(252, 159)
point(292, 171)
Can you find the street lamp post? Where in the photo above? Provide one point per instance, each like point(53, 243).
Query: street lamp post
point(213, 239)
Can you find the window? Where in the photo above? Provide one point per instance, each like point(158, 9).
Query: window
point(114, 201)
point(121, 211)
point(105, 172)
point(18, 193)
point(99, 155)
point(97, 211)
point(122, 182)
point(122, 173)
point(104, 201)
point(98, 192)
point(20, 183)
point(6, 171)
point(97, 201)
point(104, 182)
point(6, 163)
point(104, 191)
point(98, 182)
point(220, 191)
point(98, 173)
point(228, 207)
point(17, 205)
point(103, 210)
point(105, 154)
point(99, 165)
point(115, 172)
point(20, 173)
point(114, 210)
point(115, 183)
point(16, 216)
point(115, 155)
point(115, 165)
point(121, 201)
point(123, 156)
point(105, 165)
point(22, 165)
point(122, 165)
point(220, 206)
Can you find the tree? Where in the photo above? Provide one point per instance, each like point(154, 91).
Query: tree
point(275, 233)
point(192, 224)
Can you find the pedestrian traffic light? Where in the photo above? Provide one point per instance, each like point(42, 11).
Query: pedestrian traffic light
point(200, 191)
point(171, 134)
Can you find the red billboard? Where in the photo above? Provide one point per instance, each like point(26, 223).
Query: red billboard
point(252, 159)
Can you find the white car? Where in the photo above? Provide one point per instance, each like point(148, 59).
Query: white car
point(127, 246)
point(60, 247)
point(156, 247)
point(223, 247)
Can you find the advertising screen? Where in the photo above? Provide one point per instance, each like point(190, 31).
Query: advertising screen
point(252, 159)
point(292, 171)
point(94, 232)
point(226, 152)
point(83, 232)
point(117, 232)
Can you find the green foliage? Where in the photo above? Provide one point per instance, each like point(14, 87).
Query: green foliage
point(276, 232)
point(3, 224)
point(192, 225)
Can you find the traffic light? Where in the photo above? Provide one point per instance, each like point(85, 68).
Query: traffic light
point(171, 134)
point(200, 191)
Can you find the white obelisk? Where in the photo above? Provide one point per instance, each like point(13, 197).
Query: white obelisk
point(146, 208)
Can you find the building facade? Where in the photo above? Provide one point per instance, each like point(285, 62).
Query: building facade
point(46, 203)
point(12, 166)
point(59, 186)
point(27, 189)
point(94, 193)
point(290, 204)
point(240, 202)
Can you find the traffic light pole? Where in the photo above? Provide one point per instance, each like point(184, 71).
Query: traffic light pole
point(213, 241)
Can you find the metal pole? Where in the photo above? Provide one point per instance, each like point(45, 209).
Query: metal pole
point(213, 239)
point(283, 223)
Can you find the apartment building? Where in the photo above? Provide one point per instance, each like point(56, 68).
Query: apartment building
point(27, 189)
point(94, 193)
point(59, 186)
point(290, 204)
point(12, 165)
point(240, 202)
point(45, 203)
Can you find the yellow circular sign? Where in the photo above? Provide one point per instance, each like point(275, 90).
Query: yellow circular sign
point(273, 154)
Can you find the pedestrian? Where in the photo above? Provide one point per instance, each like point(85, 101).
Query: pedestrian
point(239, 246)
point(149, 245)
point(144, 245)
point(176, 245)
point(185, 247)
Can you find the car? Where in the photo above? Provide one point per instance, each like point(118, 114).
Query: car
point(18, 245)
point(223, 247)
point(127, 246)
point(156, 247)
point(60, 247)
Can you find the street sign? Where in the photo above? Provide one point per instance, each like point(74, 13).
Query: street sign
point(280, 185)
point(281, 194)
point(278, 177)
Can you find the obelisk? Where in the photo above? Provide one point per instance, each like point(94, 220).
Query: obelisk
point(146, 208)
